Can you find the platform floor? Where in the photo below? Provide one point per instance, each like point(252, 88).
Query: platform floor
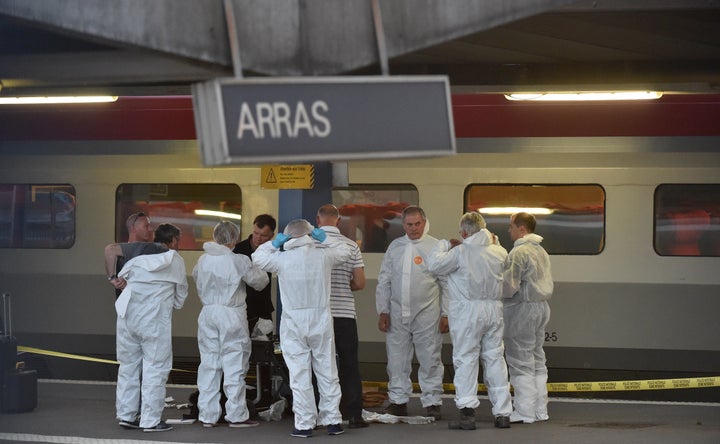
point(84, 412)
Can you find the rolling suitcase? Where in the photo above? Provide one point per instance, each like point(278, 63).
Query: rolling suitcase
point(19, 391)
point(18, 388)
point(8, 344)
point(8, 354)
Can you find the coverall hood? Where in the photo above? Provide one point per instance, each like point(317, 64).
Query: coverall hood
point(531, 238)
point(215, 249)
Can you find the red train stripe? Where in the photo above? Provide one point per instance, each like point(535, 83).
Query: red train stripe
point(475, 115)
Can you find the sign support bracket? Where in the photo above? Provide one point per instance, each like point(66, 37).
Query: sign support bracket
point(233, 37)
point(380, 37)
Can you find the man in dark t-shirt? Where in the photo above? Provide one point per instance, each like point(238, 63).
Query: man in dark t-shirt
point(259, 303)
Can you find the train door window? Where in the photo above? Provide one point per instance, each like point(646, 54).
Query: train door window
point(37, 216)
point(194, 208)
point(570, 218)
point(371, 215)
point(687, 220)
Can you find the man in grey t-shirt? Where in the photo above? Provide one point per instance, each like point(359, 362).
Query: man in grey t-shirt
point(140, 235)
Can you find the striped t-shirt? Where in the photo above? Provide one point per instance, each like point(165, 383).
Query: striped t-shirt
point(342, 301)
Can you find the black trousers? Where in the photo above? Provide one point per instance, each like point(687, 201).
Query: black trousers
point(346, 348)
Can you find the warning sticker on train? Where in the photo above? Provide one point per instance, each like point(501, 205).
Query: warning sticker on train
point(285, 177)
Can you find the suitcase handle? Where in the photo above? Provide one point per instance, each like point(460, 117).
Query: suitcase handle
point(7, 318)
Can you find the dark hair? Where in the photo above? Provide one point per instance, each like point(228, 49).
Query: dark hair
point(526, 220)
point(165, 233)
point(264, 220)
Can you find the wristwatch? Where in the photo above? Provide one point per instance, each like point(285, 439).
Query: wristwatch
point(110, 278)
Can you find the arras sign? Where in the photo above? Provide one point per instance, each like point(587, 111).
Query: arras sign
point(322, 118)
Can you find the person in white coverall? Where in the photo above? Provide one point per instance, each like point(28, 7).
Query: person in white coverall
point(303, 268)
point(223, 336)
point(411, 303)
point(474, 267)
point(528, 285)
point(156, 284)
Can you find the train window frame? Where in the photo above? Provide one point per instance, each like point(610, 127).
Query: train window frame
point(62, 212)
point(695, 219)
point(158, 196)
point(549, 243)
point(390, 229)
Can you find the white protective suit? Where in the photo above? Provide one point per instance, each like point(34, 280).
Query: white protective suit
point(306, 327)
point(156, 283)
point(474, 269)
point(412, 296)
point(528, 285)
point(223, 337)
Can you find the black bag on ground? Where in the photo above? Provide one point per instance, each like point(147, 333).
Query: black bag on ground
point(18, 387)
point(19, 391)
point(8, 343)
point(8, 353)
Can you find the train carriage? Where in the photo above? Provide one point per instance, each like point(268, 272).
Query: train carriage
point(633, 196)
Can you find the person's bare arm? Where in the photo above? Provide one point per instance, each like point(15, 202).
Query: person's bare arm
point(112, 251)
point(358, 279)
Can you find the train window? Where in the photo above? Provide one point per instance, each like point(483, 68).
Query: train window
point(570, 218)
point(687, 220)
point(37, 216)
point(371, 215)
point(194, 208)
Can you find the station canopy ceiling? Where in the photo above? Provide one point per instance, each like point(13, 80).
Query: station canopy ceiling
point(161, 47)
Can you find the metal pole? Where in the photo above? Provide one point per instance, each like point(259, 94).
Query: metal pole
point(380, 37)
point(233, 37)
point(7, 315)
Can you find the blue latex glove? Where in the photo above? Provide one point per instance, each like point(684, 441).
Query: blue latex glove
point(280, 239)
point(318, 234)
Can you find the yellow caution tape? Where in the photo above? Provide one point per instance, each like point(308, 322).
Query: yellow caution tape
point(604, 386)
point(39, 351)
point(653, 384)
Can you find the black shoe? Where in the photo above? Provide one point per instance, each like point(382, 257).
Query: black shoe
point(301, 433)
point(396, 409)
point(467, 411)
point(435, 411)
point(161, 427)
point(357, 422)
point(502, 422)
point(467, 420)
point(335, 429)
point(129, 424)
